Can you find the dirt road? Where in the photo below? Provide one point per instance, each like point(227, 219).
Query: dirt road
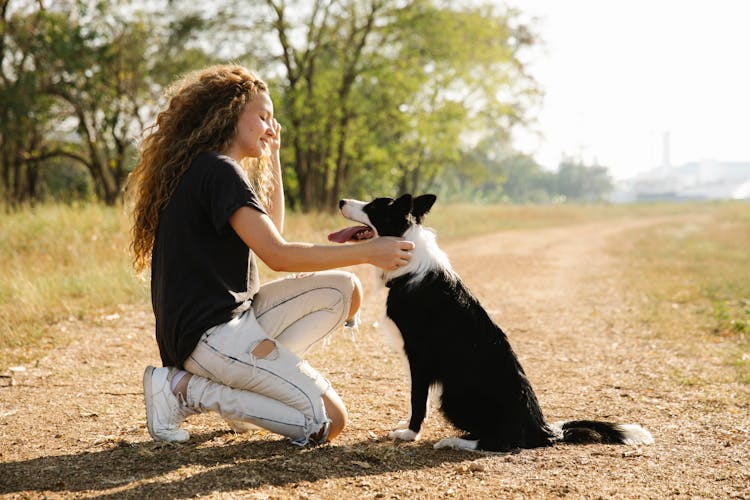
point(73, 425)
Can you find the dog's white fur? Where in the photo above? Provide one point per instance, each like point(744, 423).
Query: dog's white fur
point(456, 444)
point(635, 435)
point(426, 256)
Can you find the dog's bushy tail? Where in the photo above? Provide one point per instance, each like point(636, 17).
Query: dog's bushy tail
point(594, 431)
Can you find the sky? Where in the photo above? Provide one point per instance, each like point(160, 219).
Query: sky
point(621, 75)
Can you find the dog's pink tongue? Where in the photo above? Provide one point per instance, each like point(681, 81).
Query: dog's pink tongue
point(345, 234)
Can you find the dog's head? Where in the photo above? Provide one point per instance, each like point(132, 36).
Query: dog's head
point(382, 216)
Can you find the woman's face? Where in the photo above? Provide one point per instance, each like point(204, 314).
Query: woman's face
point(253, 128)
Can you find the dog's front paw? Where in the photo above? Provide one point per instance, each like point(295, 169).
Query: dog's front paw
point(402, 424)
point(404, 435)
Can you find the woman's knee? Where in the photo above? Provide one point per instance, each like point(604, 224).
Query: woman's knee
point(337, 413)
point(357, 296)
point(347, 283)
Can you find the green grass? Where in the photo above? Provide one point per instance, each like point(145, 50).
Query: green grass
point(694, 279)
point(59, 262)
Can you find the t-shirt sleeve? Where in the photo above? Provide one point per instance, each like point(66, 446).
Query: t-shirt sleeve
point(227, 189)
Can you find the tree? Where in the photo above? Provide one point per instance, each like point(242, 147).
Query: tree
point(376, 96)
point(385, 92)
point(577, 181)
point(526, 181)
point(472, 88)
point(81, 79)
point(24, 113)
point(103, 77)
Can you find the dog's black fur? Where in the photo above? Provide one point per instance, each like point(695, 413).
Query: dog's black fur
point(450, 340)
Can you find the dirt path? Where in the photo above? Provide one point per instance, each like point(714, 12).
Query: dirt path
point(73, 425)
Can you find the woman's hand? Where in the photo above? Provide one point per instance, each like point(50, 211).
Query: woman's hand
point(274, 137)
point(389, 253)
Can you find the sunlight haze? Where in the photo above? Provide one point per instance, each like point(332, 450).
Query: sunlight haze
point(619, 75)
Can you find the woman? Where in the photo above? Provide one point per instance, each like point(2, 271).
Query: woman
point(226, 343)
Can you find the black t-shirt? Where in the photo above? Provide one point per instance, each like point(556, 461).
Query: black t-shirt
point(202, 273)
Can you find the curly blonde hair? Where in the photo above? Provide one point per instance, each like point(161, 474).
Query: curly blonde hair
point(201, 116)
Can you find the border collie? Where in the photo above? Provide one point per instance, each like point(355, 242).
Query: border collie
point(453, 345)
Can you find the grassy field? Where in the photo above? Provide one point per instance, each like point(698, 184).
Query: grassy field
point(59, 262)
point(692, 280)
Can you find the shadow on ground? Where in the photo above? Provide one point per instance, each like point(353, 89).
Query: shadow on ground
point(202, 467)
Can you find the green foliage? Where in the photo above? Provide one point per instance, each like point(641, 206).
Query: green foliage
point(381, 96)
point(66, 181)
point(584, 183)
point(732, 316)
point(24, 111)
point(81, 80)
point(492, 172)
point(376, 97)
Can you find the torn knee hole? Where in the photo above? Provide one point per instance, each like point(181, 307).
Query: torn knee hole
point(264, 348)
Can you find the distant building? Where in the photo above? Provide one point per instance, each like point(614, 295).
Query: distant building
point(703, 180)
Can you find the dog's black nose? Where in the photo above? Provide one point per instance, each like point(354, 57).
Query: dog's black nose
point(342, 203)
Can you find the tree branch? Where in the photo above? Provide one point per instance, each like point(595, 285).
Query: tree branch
point(288, 55)
point(55, 153)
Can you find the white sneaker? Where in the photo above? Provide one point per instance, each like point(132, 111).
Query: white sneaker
point(164, 412)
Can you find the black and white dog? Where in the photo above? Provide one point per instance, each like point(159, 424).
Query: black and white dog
point(453, 345)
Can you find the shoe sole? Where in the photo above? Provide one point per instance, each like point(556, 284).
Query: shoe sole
point(148, 396)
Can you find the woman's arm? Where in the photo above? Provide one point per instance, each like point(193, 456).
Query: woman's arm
point(259, 232)
point(276, 201)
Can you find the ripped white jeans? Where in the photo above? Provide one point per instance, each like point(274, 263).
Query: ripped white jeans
point(279, 391)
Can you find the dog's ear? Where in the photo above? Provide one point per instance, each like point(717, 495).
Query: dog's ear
point(402, 205)
point(421, 205)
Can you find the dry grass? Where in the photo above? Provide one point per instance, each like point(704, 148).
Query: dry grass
point(692, 280)
point(60, 262)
